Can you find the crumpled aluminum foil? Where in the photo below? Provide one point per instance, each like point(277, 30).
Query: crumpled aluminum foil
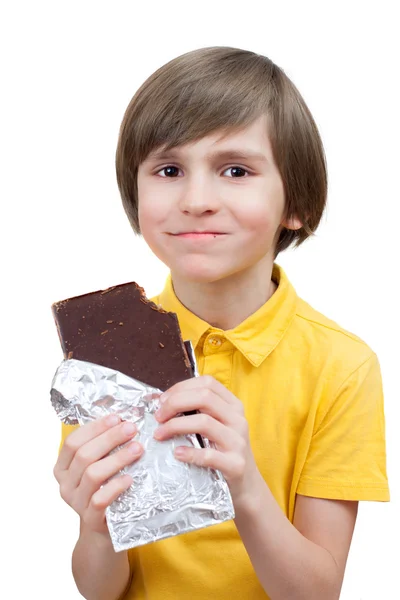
point(167, 497)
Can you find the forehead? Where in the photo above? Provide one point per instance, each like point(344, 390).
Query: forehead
point(248, 142)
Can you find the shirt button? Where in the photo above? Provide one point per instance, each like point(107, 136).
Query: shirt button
point(215, 341)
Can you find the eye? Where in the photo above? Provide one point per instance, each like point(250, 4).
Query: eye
point(168, 168)
point(171, 171)
point(237, 169)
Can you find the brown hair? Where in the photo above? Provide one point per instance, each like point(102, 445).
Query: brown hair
point(226, 89)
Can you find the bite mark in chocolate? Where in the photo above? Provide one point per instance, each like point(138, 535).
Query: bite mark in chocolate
point(137, 344)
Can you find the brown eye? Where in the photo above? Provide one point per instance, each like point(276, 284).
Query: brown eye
point(237, 171)
point(169, 170)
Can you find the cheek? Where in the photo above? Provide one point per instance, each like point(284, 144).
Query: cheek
point(263, 211)
point(152, 216)
point(150, 222)
point(151, 209)
point(147, 215)
point(258, 220)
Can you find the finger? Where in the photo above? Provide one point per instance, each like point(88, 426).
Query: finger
point(223, 436)
point(81, 436)
point(231, 465)
point(94, 515)
point(99, 472)
point(203, 400)
point(205, 381)
point(98, 448)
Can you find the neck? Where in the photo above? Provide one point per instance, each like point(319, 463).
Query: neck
point(226, 303)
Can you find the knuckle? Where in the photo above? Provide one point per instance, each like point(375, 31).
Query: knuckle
point(70, 444)
point(206, 420)
point(98, 502)
point(191, 459)
point(205, 395)
point(169, 426)
point(81, 456)
point(208, 380)
point(206, 457)
point(172, 404)
point(91, 474)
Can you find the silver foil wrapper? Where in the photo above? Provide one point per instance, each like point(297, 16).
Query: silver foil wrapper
point(167, 497)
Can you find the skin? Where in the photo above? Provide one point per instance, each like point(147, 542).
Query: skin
point(222, 279)
point(83, 466)
point(303, 560)
point(226, 278)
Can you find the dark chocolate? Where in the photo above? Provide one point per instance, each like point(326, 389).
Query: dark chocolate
point(121, 329)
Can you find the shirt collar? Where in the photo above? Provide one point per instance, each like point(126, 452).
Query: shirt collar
point(258, 335)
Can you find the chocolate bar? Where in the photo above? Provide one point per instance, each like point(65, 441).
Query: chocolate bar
point(121, 329)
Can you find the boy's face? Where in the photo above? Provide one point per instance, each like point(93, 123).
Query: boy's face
point(234, 205)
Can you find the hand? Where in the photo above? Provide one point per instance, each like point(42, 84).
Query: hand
point(221, 420)
point(83, 466)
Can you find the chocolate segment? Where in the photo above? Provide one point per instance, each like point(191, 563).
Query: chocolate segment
point(121, 329)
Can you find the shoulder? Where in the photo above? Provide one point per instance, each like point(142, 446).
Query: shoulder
point(328, 342)
point(344, 376)
point(322, 325)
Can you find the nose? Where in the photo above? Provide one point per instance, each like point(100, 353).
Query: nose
point(198, 197)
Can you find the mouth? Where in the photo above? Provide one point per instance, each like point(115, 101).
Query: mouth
point(198, 234)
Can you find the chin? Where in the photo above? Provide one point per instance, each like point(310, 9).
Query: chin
point(203, 271)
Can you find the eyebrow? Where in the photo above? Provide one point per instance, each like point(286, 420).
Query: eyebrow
point(229, 154)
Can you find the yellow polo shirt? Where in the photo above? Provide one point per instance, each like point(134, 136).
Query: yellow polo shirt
point(312, 395)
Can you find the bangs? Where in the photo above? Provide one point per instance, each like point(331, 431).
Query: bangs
point(222, 90)
point(189, 98)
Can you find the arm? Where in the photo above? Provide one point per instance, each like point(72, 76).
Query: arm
point(311, 555)
point(98, 570)
point(83, 470)
point(303, 561)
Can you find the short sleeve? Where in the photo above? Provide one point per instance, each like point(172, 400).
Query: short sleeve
point(347, 454)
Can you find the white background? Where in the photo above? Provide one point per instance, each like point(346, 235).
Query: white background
point(68, 71)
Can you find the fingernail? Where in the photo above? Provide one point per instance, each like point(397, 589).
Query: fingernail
point(135, 448)
point(180, 451)
point(113, 420)
point(129, 428)
point(163, 398)
point(158, 433)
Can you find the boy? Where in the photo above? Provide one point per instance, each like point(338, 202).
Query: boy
point(220, 168)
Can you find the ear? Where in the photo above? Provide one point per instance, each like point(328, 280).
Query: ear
point(293, 223)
